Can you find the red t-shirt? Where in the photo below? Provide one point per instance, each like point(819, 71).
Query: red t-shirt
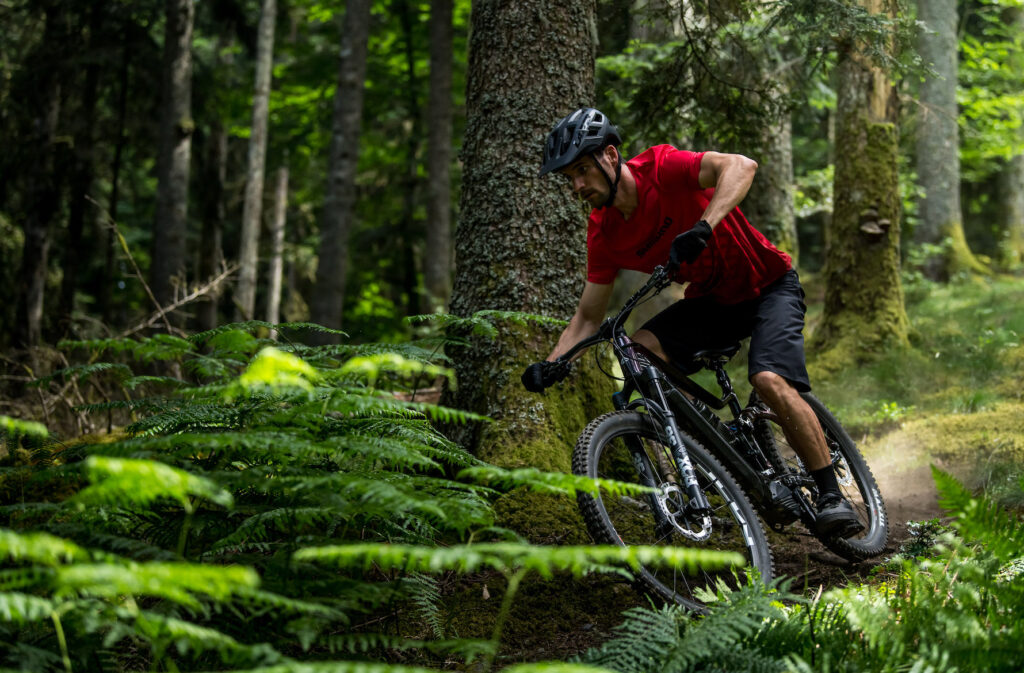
point(738, 263)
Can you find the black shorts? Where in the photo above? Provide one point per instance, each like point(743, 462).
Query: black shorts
point(774, 321)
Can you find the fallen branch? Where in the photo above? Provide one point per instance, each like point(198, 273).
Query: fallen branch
point(201, 291)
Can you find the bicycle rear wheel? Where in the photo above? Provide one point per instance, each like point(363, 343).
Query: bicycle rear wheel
point(603, 451)
point(856, 482)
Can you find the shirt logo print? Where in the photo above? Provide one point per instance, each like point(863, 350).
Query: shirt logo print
point(650, 243)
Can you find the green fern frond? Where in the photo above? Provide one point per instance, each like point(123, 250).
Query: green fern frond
point(119, 372)
point(125, 482)
point(370, 368)
point(22, 608)
point(483, 323)
point(553, 667)
point(506, 557)
point(178, 582)
point(24, 578)
point(361, 643)
point(338, 667)
point(15, 427)
point(425, 594)
point(641, 642)
point(554, 482)
point(980, 519)
point(186, 417)
point(262, 526)
point(39, 548)
point(136, 381)
point(150, 349)
point(187, 637)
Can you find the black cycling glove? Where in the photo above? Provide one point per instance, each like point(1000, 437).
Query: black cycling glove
point(688, 245)
point(541, 375)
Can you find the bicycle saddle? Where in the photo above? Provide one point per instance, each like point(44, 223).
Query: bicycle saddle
point(723, 354)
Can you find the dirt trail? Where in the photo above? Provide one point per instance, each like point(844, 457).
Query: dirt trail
point(902, 470)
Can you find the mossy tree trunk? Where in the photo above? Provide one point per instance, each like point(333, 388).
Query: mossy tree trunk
point(864, 310)
point(1011, 185)
point(938, 143)
point(521, 241)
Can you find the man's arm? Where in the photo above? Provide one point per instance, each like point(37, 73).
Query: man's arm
point(589, 314)
point(731, 175)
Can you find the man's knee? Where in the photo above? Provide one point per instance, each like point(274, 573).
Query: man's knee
point(647, 339)
point(770, 385)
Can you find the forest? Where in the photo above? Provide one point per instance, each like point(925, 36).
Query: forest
point(274, 268)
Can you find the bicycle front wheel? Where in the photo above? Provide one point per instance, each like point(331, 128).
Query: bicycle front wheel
point(607, 450)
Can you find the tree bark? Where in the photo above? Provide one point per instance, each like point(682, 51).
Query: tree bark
point(864, 310)
point(167, 270)
point(1011, 185)
point(274, 273)
point(42, 192)
point(82, 171)
point(211, 248)
point(938, 144)
point(340, 198)
point(437, 256)
point(769, 203)
point(521, 241)
point(252, 209)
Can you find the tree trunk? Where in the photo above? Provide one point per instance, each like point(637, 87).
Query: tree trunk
point(437, 257)
point(274, 273)
point(769, 204)
point(1011, 185)
point(252, 209)
point(1011, 191)
point(340, 196)
point(410, 233)
point(42, 193)
point(521, 241)
point(169, 238)
point(107, 239)
point(938, 143)
point(211, 249)
point(864, 309)
point(82, 173)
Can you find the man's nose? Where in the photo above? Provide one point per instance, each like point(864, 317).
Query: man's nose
point(577, 184)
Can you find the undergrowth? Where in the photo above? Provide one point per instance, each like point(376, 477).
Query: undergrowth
point(260, 506)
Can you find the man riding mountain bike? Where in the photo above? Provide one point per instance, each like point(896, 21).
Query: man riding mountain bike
point(682, 206)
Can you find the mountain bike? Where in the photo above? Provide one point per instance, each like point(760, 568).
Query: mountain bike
point(710, 477)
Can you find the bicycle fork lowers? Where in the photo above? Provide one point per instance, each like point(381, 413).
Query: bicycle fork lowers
point(671, 510)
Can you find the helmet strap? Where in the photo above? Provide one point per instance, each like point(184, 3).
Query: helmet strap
point(613, 187)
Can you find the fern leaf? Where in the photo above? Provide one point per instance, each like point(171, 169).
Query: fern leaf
point(188, 637)
point(178, 582)
point(125, 482)
point(980, 519)
point(506, 557)
point(15, 427)
point(556, 482)
point(22, 608)
point(39, 548)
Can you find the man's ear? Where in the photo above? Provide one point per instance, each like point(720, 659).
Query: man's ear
point(611, 153)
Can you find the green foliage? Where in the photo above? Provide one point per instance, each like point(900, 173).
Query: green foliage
point(955, 609)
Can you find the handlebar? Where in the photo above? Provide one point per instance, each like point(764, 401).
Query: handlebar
point(660, 278)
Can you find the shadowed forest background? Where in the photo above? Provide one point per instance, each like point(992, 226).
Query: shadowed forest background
point(273, 268)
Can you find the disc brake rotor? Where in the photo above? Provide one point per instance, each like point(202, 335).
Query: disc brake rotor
point(672, 502)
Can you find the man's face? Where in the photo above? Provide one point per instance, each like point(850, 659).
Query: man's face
point(586, 179)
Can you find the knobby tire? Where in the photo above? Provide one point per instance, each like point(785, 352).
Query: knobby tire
point(601, 452)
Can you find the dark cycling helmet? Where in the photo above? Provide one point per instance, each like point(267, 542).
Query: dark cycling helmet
point(584, 131)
